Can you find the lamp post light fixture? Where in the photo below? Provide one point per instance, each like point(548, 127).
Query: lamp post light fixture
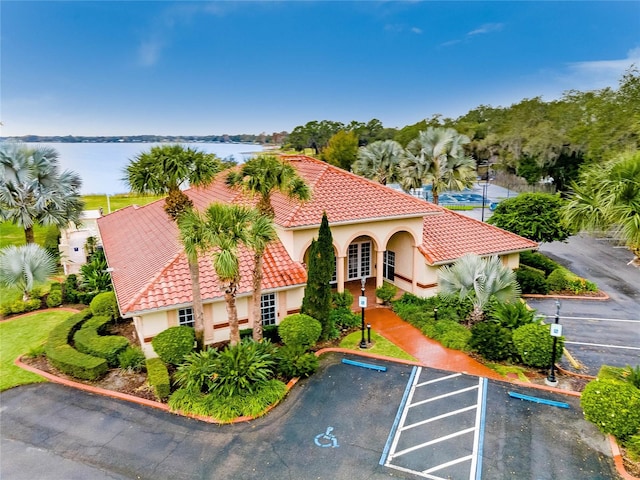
point(435, 314)
point(556, 331)
point(363, 304)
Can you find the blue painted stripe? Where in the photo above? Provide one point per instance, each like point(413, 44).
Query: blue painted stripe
point(483, 418)
point(365, 365)
point(394, 427)
point(544, 401)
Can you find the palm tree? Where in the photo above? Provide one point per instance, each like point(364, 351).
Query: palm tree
point(23, 266)
point(222, 229)
point(608, 197)
point(261, 176)
point(33, 191)
point(437, 157)
point(472, 276)
point(164, 170)
point(380, 161)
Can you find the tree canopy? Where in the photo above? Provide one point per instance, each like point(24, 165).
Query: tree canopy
point(536, 216)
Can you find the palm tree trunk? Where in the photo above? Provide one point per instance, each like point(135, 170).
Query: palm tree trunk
point(434, 192)
point(256, 296)
point(232, 313)
point(28, 235)
point(198, 310)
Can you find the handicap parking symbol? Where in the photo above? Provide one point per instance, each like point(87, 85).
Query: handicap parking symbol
point(326, 439)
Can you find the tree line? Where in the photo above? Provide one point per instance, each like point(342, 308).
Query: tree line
point(533, 139)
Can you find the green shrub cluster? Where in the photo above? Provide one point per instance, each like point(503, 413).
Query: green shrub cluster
point(536, 270)
point(174, 343)
point(299, 329)
point(158, 378)
point(66, 358)
point(54, 298)
point(613, 406)
point(534, 344)
point(342, 299)
point(131, 358)
point(88, 340)
point(492, 341)
point(451, 334)
point(227, 408)
point(345, 318)
point(538, 261)
point(532, 280)
point(105, 304)
point(295, 361)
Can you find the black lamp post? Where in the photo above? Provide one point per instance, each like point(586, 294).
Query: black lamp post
point(551, 379)
point(363, 343)
point(484, 194)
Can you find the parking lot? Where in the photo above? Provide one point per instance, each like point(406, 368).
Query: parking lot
point(346, 422)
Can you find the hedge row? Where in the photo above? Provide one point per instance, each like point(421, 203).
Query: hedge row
point(158, 377)
point(66, 358)
point(88, 340)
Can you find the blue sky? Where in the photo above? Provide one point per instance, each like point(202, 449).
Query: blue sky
point(124, 68)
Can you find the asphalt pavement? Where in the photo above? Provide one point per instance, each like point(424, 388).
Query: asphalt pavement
point(345, 422)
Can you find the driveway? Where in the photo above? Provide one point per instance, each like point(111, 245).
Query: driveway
point(346, 422)
point(598, 332)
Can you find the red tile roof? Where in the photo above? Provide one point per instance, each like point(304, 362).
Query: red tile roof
point(447, 237)
point(151, 272)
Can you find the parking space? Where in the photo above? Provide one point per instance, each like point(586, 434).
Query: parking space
point(345, 422)
point(439, 429)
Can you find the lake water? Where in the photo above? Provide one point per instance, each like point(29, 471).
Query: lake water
point(101, 165)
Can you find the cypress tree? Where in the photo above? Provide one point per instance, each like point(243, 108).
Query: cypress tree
point(317, 295)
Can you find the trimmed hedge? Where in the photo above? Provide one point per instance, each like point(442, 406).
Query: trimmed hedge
point(158, 377)
point(88, 340)
point(538, 261)
point(174, 343)
point(66, 358)
point(532, 280)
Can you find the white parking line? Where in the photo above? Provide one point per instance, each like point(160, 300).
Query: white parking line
point(595, 318)
point(623, 347)
point(476, 430)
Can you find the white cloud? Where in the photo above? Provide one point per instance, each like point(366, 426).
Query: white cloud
point(596, 74)
point(416, 30)
point(486, 28)
point(149, 52)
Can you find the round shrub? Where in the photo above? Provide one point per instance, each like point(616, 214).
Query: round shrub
point(131, 359)
point(299, 329)
point(492, 341)
point(557, 280)
point(105, 305)
point(174, 343)
point(532, 280)
point(613, 406)
point(54, 299)
point(534, 344)
point(18, 306)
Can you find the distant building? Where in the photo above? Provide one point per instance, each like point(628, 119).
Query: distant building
point(73, 241)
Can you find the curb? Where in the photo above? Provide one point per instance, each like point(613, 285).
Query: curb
point(602, 298)
point(617, 460)
point(141, 401)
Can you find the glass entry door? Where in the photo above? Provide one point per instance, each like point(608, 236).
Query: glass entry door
point(359, 260)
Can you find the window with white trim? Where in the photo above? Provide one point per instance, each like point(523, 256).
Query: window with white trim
point(185, 317)
point(268, 309)
point(359, 260)
point(389, 265)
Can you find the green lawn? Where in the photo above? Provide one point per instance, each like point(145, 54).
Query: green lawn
point(381, 346)
point(11, 234)
point(17, 337)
